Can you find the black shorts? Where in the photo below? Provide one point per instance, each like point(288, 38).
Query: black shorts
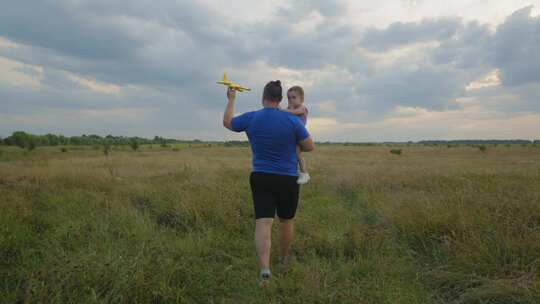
point(274, 192)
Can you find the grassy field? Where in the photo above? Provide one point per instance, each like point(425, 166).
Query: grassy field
point(433, 225)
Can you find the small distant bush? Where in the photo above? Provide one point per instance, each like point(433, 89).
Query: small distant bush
point(63, 149)
point(106, 149)
point(31, 145)
point(164, 145)
point(396, 151)
point(482, 148)
point(134, 145)
point(176, 149)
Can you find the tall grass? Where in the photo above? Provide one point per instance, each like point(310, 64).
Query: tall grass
point(432, 226)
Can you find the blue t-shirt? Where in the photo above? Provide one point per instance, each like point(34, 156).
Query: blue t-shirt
point(273, 135)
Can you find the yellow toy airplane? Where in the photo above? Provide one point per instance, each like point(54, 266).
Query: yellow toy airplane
point(231, 85)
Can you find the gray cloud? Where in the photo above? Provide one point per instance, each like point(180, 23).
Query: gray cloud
point(328, 44)
point(516, 47)
point(470, 47)
point(164, 43)
point(399, 33)
point(62, 27)
point(428, 87)
point(300, 8)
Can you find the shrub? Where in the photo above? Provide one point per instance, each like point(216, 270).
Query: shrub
point(19, 139)
point(63, 149)
point(31, 145)
point(396, 151)
point(106, 149)
point(134, 145)
point(482, 148)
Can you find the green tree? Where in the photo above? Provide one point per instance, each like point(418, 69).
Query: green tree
point(134, 144)
point(52, 139)
point(20, 139)
point(31, 144)
point(75, 140)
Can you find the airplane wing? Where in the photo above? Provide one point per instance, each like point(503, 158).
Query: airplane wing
point(234, 86)
point(240, 88)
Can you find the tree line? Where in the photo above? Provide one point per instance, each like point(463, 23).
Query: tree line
point(30, 141)
point(481, 142)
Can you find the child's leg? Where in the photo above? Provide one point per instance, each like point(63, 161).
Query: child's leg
point(301, 161)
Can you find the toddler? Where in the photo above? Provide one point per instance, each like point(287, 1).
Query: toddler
point(295, 96)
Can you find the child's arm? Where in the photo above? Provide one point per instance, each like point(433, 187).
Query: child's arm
point(299, 111)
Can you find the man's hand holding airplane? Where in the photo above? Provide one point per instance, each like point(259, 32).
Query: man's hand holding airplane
point(231, 94)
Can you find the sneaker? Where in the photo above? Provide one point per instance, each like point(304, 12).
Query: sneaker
point(264, 279)
point(283, 263)
point(303, 178)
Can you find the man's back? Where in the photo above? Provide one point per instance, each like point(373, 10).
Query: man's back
point(273, 135)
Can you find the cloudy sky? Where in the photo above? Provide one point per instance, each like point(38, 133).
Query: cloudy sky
point(372, 70)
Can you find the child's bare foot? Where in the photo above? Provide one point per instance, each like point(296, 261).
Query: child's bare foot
point(303, 178)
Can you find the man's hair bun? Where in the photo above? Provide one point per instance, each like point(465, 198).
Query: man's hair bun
point(273, 91)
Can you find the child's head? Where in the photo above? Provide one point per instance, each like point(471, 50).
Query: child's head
point(295, 95)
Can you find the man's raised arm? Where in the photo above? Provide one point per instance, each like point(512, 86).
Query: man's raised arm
point(229, 109)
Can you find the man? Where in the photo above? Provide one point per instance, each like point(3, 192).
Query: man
point(273, 136)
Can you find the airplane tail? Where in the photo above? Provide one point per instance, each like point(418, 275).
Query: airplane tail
point(225, 77)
